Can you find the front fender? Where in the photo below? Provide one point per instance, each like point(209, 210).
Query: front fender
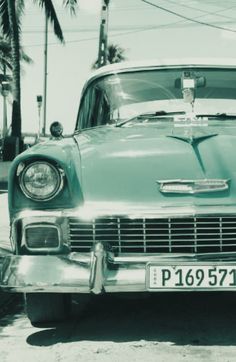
point(63, 153)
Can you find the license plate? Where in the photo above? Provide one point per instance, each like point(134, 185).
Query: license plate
point(191, 277)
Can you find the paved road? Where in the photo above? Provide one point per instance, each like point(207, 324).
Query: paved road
point(167, 327)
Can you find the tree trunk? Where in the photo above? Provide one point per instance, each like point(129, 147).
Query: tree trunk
point(16, 88)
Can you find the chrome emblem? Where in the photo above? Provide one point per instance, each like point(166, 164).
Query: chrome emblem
point(192, 186)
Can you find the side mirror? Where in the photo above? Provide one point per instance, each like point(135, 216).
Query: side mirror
point(56, 130)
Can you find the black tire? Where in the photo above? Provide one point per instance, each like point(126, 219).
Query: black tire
point(47, 307)
point(81, 303)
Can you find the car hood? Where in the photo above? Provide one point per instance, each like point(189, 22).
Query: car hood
point(125, 164)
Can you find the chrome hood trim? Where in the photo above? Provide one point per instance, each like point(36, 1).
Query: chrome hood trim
point(193, 186)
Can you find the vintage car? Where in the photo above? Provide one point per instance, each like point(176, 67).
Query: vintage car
point(141, 198)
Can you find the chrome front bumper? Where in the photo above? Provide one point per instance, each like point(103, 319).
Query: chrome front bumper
point(95, 273)
point(73, 273)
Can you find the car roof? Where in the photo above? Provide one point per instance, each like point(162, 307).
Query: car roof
point(156, 63)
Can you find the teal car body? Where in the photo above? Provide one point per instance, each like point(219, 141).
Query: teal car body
point(142, 197)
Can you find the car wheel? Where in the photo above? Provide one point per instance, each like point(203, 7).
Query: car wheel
point(47, 307)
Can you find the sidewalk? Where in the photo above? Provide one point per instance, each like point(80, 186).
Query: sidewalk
point(4, 169)
point(5, 248)
point(4, 225)
point(4, 217)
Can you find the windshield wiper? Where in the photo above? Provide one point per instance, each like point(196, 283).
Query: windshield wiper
point(221, 116)
point(149, 115)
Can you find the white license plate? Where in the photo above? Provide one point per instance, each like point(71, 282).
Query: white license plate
point(191, 276)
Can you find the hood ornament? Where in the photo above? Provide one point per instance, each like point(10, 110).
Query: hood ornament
point(192, 186)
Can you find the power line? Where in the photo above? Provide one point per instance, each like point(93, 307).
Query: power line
point(114, 28)
point(111, 36)
point(117, 28)
point(134, 31)
point(114, 9)
point(206, 13)
point(188, 18)
point(171, 24)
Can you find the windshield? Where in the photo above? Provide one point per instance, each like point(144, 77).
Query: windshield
point(118, 97)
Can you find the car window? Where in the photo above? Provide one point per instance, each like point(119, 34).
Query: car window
point(118, 97)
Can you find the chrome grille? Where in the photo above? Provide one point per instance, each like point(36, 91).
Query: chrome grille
point(206, 234)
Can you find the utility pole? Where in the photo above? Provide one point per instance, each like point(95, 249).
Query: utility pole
point(102, 50)
point(39, 103)
point(45, 77)
point(5, 89)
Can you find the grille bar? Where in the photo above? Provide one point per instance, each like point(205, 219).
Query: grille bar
point(191, 242)
point(159, 235)
point(170, 235)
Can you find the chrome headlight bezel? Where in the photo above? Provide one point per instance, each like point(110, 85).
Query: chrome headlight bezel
point(33, 196)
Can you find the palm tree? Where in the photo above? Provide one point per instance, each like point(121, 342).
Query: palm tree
point(115, 54)
point(10, 16)
point(5, 74)
point(5, 56)
point(6, 59)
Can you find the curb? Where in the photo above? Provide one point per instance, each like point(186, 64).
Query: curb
point(3, 185)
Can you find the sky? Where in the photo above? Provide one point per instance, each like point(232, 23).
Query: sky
point(143, 30)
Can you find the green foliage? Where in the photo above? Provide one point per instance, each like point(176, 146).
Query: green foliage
point(115, 54)
point(11, 12)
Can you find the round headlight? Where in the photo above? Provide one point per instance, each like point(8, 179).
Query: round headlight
point(41, 181)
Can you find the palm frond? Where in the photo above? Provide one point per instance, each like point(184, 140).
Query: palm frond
point(72, 5)
point(6, 55)
point(20, 7)
point(5, 24)
point(50, 12)
point(5, 46)
point(5, 63)
point(115, 54)
point(25, 57)
point(5, 78)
